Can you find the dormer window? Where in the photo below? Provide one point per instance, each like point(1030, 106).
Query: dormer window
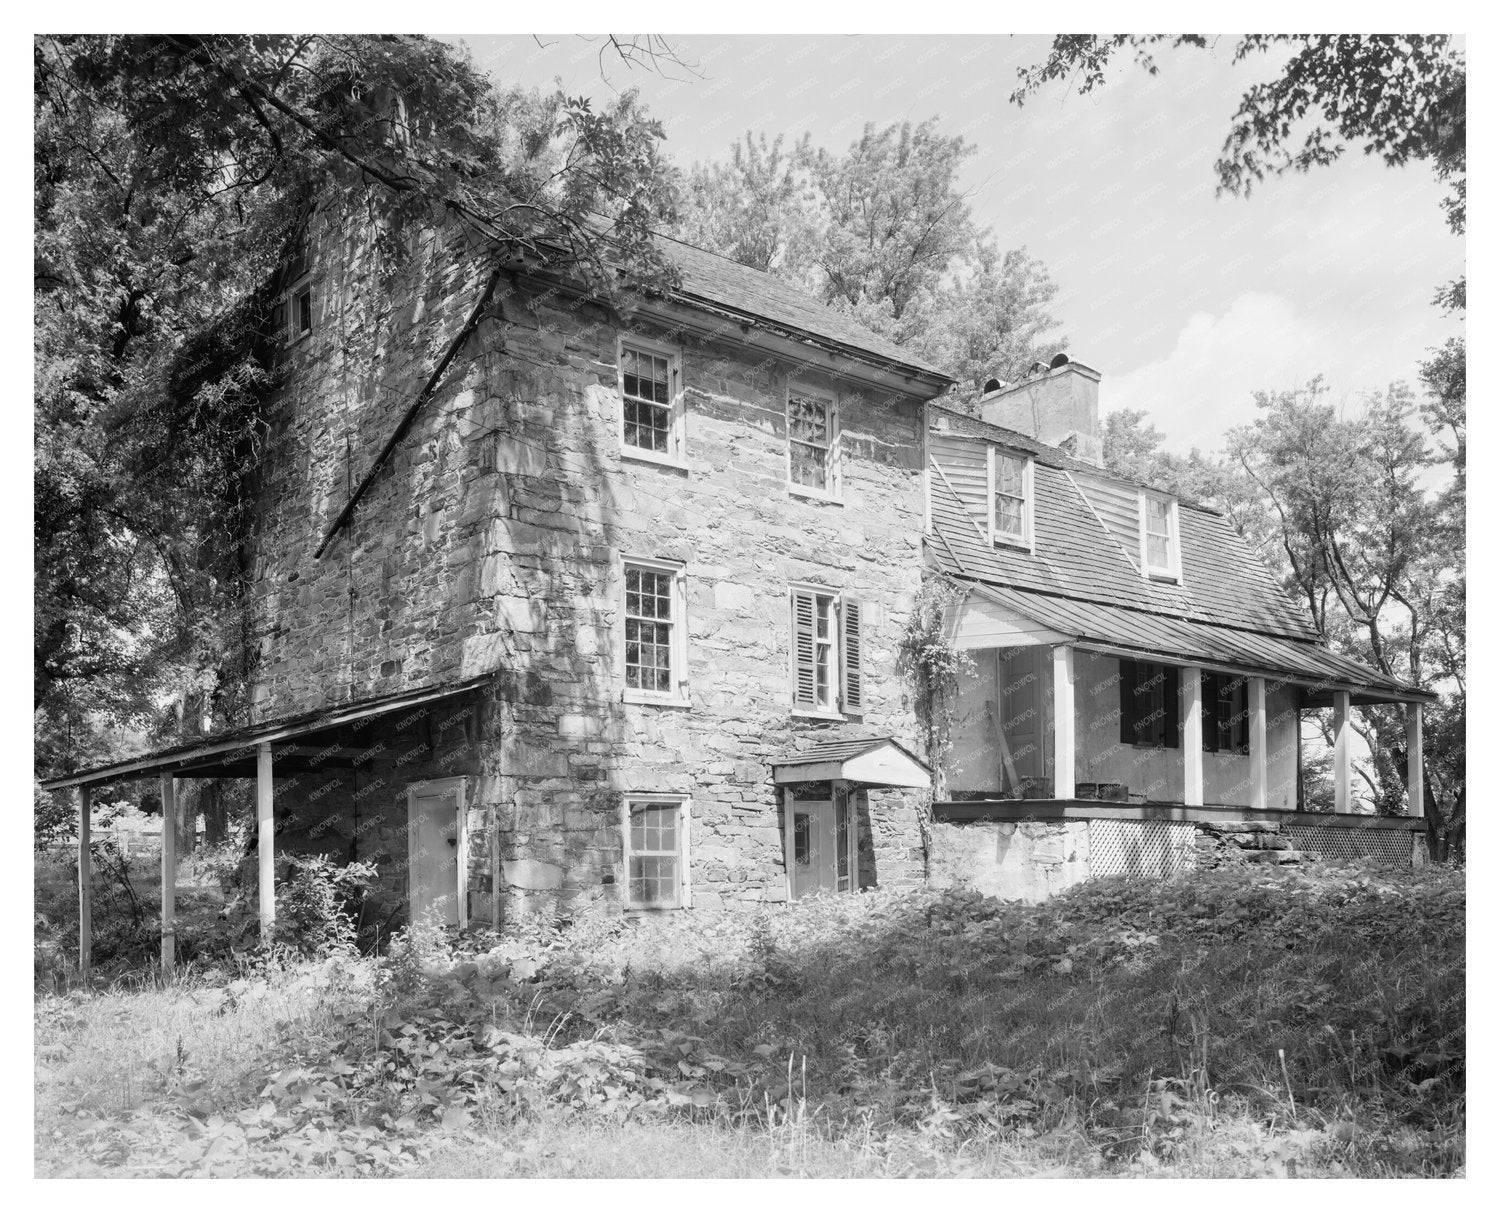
point(1011, 498)
point(1159, 549)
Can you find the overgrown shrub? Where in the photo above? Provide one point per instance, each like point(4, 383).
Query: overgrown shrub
point(317, 906)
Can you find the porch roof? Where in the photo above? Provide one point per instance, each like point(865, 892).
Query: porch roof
point(232, 753)
point(876, 761)
point(1192, 641)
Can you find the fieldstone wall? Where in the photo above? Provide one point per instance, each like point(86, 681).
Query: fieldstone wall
point(492, 544)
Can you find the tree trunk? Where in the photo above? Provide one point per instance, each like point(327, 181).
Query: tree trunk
point(215, 812)
point(187, 819)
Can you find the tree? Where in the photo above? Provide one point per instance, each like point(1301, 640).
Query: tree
point(1363, 550)
point(884, 233)
point(1399, 95)
point(173, 176)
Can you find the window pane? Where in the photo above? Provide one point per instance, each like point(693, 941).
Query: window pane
point(1157, 515)
point(1010, 476)
point(808, 420)
point(1157, 554)
point(809, 465)
point(1010, 515)
point(802, 838)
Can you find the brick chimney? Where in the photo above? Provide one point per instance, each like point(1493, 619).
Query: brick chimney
point(1057, 403)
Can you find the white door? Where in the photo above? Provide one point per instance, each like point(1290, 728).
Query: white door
point(437, 852)
point(820, 846)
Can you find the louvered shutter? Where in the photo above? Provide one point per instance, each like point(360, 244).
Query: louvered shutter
point(1172, 701)
point(852, 691)
point(804, 650)
point(1130, 708)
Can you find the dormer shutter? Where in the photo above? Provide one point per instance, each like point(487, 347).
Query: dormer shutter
point(804, 650)
point(852, 692)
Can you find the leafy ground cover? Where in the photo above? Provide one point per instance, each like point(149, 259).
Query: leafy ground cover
point(1296, 1022)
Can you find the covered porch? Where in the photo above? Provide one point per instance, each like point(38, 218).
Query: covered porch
point(331, 747)
point(1087, 712)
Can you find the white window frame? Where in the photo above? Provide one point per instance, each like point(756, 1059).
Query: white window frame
point(285, 335)
point(836, 651)
point(676, 453)
point(677, 649)
point(1027, 540)
point(835, 486)
point(684, 805)
point(1172, 571)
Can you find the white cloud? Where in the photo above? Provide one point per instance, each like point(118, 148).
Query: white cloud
point(1206, 383)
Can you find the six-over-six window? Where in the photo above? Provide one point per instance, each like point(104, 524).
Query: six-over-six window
point(651, 418)
point(1010, 477)
point(655, 666)
point(812, 442)
point(655, 829)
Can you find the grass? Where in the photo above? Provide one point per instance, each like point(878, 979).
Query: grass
point(1224, 1024)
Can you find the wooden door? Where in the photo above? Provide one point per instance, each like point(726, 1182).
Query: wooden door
point(437, 853)
point(815, 866)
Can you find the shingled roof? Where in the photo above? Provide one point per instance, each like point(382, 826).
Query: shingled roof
point(756, 295)
point(1076, 557)
point(1079, 580)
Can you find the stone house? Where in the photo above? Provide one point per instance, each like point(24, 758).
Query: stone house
point(555, 602)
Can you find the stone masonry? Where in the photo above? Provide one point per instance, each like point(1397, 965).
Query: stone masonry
point(492, 544)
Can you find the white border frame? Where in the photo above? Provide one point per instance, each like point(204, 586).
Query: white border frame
point(1027, 542)
point(286, 337)
point(676, 457)
point(438, 789)
point(835, 491)
point(684, 803)
point(680, 698)
point(1174, 543)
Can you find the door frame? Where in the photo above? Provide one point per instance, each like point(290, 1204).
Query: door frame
point(455, 785)
point(837, 788)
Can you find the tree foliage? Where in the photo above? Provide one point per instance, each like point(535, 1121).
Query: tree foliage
point(173, 176)
point(883, 232)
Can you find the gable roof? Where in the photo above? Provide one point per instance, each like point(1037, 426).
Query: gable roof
point(756, 295)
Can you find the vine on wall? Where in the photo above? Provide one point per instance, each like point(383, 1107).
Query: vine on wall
point(932, 663)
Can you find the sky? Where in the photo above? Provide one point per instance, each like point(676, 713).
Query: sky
point(1186, 303)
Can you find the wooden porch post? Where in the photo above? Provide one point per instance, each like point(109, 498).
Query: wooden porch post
point(1191, 707)
point(1259, 777)
point(168, 872)
point(788, 845)
point(1064, 727)
point(1341, 770)
point(1414, 790)
point(266, 827)
point(85, 886)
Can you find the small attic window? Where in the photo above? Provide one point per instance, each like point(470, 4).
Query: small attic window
point(1160, 556)
point(1010, 498)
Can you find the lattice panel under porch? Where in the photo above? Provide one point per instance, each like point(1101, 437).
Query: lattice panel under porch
point(1331, 842)
point(1153, 849)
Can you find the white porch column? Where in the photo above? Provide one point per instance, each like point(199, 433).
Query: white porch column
point(1191, 733)
point(168, 872)
point(266, 826)
point(788, 845)
point(1259, 778)
point(1414, 789)
point(1341, 771)
point(85, 886)
point(1064, 727)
